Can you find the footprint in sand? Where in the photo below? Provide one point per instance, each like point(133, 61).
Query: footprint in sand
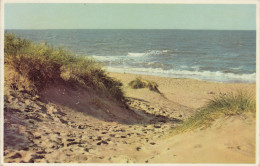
point(138, 148)
point(198, 146)
point(102, 142)
point(16, 155)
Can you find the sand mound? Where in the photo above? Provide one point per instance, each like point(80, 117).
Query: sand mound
point(90, 103)
point(86, 100)
point(229, 140)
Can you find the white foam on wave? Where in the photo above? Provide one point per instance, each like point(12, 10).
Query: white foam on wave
point(165, 51)
point(236, 68)
point(129, 55)
point(106, 58)
point(157, 52)
point(132, 54)
point(148, 53)
point(201, 75)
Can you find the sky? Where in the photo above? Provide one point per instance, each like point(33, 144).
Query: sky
point(130, 16)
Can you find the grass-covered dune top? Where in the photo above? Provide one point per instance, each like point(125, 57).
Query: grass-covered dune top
point(223, 105)
point(42, 65)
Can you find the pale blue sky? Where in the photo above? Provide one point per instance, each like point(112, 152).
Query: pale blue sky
point(130, 16)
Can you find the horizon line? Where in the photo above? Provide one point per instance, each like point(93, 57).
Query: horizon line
point(130, 29)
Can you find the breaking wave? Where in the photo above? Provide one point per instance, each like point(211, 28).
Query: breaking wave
point(148, 53)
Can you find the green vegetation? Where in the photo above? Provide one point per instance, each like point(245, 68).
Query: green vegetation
point(43, 65)
point(222, 105)
point(142, 83)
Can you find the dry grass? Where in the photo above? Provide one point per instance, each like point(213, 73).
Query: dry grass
point(222, 105)
point(142, 83)
point(43, 65)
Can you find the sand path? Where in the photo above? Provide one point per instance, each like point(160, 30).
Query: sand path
point(38, 130)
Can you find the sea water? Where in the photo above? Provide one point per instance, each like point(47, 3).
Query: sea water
point(211, 55)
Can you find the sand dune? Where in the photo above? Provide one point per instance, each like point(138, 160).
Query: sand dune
point(77, 125)
point(230, 140)
point(90, 103)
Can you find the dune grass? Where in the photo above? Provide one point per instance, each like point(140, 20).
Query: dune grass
point(139, 82)
point(222, 105)
point(44, 65)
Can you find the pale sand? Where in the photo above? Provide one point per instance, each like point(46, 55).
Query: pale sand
point(229, 140)
point(76, 125)
point(187, 92)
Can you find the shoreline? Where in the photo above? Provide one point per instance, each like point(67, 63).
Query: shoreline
point(192, 93)
point(147, 74)
point(164, 76)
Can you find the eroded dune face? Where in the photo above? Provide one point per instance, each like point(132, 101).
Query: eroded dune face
point(91, 103)
point(69, 125)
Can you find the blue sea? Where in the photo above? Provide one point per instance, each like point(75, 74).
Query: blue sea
point(211, 55)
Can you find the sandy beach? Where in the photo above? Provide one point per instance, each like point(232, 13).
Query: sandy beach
point(117, 83)
point(67, 125)
point(190, 93)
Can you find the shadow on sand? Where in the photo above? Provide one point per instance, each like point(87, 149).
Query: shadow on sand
point(101, 107)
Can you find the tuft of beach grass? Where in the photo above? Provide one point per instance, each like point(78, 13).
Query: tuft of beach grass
point(139, 82)
point(222, 105)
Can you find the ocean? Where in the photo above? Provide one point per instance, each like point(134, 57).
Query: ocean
point(210, 55)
